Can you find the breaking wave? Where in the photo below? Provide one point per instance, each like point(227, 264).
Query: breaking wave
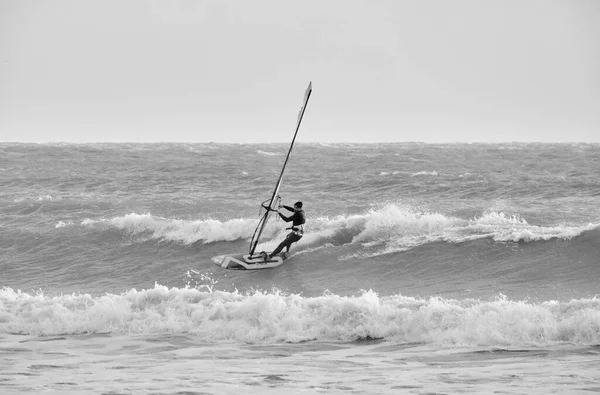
point(264, 317)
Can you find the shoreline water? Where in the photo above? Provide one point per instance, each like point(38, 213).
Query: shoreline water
point(103, 363)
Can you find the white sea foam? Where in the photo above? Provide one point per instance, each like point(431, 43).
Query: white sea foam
point(275, 317)
point(502, 227)
point(38, 198)
point(424, 173)
point(386, 229)
point(269, 153)
point(181, 231)
point(62, 224)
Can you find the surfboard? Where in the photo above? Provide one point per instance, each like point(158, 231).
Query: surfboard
point(249, 262)
point(254, 260)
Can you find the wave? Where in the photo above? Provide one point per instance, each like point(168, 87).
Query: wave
point(150, 227)
point(264, 317)
point(269, 153)
point(425, 173)
point(63, 224)
point(38, 198)
point(388, 229)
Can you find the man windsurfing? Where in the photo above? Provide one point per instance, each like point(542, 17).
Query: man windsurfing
point(298, 219)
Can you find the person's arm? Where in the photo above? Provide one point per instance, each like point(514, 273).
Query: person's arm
point(286, 219)
point(288, 208)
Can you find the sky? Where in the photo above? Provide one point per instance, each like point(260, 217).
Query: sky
point(236, 70)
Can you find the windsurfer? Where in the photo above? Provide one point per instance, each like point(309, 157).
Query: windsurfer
point(297, 230)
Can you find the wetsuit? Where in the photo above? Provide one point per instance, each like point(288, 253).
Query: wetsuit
point(298, 219)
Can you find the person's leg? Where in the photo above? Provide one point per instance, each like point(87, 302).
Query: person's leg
point(293, 238)
point(279, 248)
point(284, 244)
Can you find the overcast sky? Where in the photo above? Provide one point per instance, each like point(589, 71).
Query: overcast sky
point(236, 71)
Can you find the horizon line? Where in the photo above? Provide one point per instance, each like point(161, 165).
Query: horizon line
point(300, 142)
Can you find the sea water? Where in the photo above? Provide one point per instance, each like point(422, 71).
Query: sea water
point(425, 268)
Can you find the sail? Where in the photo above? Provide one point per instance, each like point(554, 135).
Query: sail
point(275, 197)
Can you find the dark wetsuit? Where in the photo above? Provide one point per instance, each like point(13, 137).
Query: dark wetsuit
point(297, 228)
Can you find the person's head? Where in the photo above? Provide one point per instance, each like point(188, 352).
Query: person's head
point(298, 205)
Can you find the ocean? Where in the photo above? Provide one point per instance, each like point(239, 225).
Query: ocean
point(424, 269)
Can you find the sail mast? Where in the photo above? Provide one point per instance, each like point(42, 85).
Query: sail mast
point(263, 221)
